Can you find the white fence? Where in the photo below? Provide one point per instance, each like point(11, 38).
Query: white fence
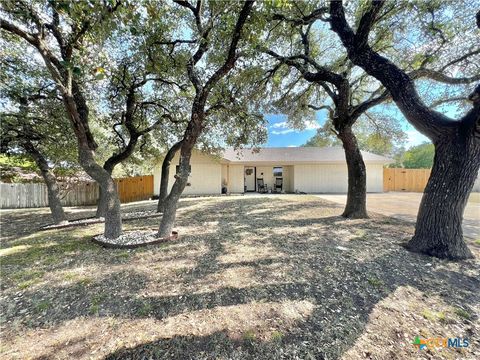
point(14, 196)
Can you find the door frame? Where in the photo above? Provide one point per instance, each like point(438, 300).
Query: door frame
point(254, 179)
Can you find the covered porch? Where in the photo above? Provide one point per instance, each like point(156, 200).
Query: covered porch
point(259, 178)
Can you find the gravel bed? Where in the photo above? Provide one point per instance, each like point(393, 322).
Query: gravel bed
point(130, 238)
point(133, 239)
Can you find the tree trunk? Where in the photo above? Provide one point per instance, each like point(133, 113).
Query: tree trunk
point(439, 221)
point(113, 215)
point(54, 201)
point(356, 207)
point(102, 204)
point(165, 175)
point(53, 191)
point(192, 133)
point(102, 196)
point(113, 219)
point(170, 204)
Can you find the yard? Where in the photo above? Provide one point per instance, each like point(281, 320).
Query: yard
point(252, 277)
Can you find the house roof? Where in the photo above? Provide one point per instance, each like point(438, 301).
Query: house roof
point(287, 155)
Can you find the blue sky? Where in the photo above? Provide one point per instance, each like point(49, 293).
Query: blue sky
point(281, 135)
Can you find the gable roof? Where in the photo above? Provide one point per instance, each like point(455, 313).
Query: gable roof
point(287, 155)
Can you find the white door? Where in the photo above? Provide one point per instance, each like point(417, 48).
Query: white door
point(249, 179)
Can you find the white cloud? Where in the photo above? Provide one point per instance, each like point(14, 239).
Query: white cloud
point(312, 125)
point(279, 125)
point(282, 132)
point(415, 138)
point(292, 146)
point(282, 128)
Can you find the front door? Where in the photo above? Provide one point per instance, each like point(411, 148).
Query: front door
point(249, 179)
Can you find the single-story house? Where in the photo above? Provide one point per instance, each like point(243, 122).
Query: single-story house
point(288, 169)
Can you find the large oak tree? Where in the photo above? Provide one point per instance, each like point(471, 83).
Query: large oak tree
point(209, 54)
point(438, 230)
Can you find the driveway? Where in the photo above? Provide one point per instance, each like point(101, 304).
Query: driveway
point(404, 206)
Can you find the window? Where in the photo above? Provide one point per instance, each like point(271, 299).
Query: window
point(177, 169)
point(278, 171)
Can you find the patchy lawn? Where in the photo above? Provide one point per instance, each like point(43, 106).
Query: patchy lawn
point(253, 277)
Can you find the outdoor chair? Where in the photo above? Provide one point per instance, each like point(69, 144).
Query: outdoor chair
point(261, 187)
point(278, 185)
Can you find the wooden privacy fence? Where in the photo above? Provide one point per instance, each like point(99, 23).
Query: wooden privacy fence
point(13, 196)
point(135, 188)
point(413, 180)
point(398, 179)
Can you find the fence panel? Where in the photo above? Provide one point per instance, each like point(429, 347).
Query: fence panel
point(135, 188)
point(398, 179)
point(13, 196)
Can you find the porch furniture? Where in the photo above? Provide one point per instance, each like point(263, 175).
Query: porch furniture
point(278, 185)
point(261, 186)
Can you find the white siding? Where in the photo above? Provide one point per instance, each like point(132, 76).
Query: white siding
point(374, 177)
point(236, 180)
point(208, 174)
point(205, 177)
point(288, 178)
point(225, 175)
point(333, 178)
point(476, 185)
point(265, 173)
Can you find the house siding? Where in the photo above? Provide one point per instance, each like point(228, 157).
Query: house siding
point(205, 177)
point(209, 173)
point(236, 180)
point(333, 178)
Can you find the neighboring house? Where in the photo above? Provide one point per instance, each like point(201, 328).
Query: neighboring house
point(298, 169)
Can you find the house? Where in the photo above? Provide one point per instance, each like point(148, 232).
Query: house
point(295, 169)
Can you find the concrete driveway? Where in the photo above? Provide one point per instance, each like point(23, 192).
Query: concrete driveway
point(405, 206)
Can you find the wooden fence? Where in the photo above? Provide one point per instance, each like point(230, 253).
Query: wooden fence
point(413, 180)
point(135, 188)
point(13, 196)
point(398, 179)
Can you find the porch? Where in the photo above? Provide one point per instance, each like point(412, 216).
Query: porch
point(254, 176)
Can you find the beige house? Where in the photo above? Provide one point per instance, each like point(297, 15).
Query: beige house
point(290, 169)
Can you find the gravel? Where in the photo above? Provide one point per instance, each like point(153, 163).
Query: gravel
point(130, 238)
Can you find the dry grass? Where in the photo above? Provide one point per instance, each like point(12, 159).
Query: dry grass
point(264, 277)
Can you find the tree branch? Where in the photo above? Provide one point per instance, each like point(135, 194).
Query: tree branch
point(399, 84)
point(232, 50)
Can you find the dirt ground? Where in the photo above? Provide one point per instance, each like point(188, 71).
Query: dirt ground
point(253, 277)
point(404, 205)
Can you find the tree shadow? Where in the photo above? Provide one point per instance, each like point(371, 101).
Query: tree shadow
point(343, 267)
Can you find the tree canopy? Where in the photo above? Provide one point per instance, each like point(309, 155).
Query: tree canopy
point(419, 156)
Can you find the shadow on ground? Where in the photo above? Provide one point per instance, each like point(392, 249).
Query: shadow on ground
point(259, 277)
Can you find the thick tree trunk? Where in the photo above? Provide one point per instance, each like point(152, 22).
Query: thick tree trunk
point(356, 207)
point(113, 219)
point(113, 216)
point(163, 192)
point(53, 191)
point(171, 201)
point(54, 201)
point(439, 222)
point(192, 133)
point(102, 204)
